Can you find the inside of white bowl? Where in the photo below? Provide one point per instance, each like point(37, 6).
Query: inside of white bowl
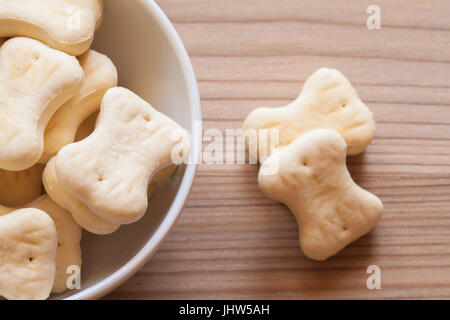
point(133, 37)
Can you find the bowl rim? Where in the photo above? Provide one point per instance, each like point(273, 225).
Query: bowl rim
point(114, 280)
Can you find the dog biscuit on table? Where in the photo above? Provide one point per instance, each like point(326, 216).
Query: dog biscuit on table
point(28, 244)
point(35, 81)
point(328, 101)
point(110, 170)
point(20, 187)
point(65, 25)
point(100, 74)
point(313, 181)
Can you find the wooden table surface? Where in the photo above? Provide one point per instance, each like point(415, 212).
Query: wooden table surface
point(231, 242)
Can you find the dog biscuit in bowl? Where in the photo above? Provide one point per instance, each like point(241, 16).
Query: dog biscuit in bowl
point(28, 247)
point(68, 252)
point(103, 180)
point(111, 169)
point(35, 81)
point(65, 25)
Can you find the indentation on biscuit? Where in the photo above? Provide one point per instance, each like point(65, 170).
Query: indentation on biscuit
point(30, 259)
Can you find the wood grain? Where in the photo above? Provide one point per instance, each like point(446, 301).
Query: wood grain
point(231, 242)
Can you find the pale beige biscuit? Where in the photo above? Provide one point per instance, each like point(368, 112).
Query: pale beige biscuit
point(65, 25)
point(88, 126)
point(28, 244)
point(110, 170)
point(80, 212)
point(327, 100)
point(313, 181)
point(20, 187)
point(35, 81)
point(100, 74)
point(83, 215)
point(68, 252)
point(69, 237)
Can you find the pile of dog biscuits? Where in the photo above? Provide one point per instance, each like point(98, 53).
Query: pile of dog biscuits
point(98, 171)
point(302, 148)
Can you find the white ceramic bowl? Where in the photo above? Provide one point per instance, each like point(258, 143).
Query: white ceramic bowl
point(152, 62)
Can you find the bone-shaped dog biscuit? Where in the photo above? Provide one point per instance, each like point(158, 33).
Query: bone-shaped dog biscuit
point(35, 81)
point(88, 126)
point(100, 74)
point(20, 187)
point(327, 100)
point(80, 212)
point(69, 237)
point(84, 217)
point(313, 181)
point(68, 252)
point(110, 170)
point(28, 242)
point(64, 25)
